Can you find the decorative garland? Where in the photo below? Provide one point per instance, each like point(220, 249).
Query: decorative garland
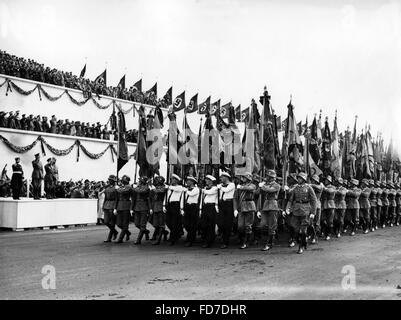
point(11, 85)
point(59, 152)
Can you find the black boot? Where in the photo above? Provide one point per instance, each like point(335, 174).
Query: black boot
point(121, 237)
point(155, 234)
point(109, 236)
point(115, 234)
point(146, 232)
point(159, 238)
point(269, 244)
point(304, 241)
point(140, 236)
point(165, 234)
point(127, 235)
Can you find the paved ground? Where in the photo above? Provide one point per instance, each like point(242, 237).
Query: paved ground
point(86, 268)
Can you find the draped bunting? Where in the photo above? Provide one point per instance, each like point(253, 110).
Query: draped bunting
point(59, 152)
point(11, 85)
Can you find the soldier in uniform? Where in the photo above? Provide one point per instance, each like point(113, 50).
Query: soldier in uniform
point(341, 207)
point(192, 196)
point(292, 181)
point(329, 208)
point(315, 223)
point(23, 122)
point(17, 179)
point(385, 203)
point(302, 203)
point(398, 202)
point(11, 121)
point(256, 231)
point(158, 196)
point(30, 123)
point(45, 125)
point(123, 208)
point(210, 209)
point(110, 198)
point(226, 207)
point(269, 191)
point(49, 179)
point(373, 205)
point(53, 124)
point(352, 214)
point(364, 211)
point(379, 203)
point(392, 205)
point(244, 208)
point(37, 177)
point(3, 120)
point(142, 207)
point(174, 208)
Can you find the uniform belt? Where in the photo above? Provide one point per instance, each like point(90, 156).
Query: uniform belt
point(301, 201)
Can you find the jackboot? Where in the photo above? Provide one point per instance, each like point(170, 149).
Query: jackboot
point(244, 241)
point(140, 236)
point(269, 245)
point(127, 235)
point(121, 237)
point(165, 234)
point(109, 236)
point(155, 234)
point(115, 234)
point(159, 238)
point(146, 232)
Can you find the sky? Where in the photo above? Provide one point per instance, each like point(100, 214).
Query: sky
point(328, 55)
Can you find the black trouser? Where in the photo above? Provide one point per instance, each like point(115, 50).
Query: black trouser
point(191, 218)
point(174, 220)
point(373, 216)
point(391, 214)
point(209, 222)
point(226, 216)
point(37, 186)
point(383, 216)
point(16, 185)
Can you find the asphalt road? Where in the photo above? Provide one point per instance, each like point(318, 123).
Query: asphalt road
point(86, 268)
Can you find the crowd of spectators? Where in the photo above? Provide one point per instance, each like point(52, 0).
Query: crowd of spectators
point(13, 120)
point(30, 69)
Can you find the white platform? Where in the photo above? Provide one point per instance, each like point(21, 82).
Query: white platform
point(29, 213)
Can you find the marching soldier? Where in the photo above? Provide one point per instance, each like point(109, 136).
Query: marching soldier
point(124, 208)
point(392, 205)
point(398, 202)
point(17, 179)
point(142, 207)
point(244, 208)
point(174, 209)
point(256, 231)
point(302, 203)
point(192, 197)
point(209, 210)
point(364, 211)
point(317, 187)
point(379, 203)
point(341, 207)
point(292, 181)
point(329, 207)
point(110, 198)
point(385, 203)
point(37, 177)
point(373, 205)
point(158, 196)
point(269, 191)
point(352, 214)
point(226, 207)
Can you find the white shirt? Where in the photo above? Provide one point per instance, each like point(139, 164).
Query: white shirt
point(210, 195)
point(192, 196)
point(227, 192)
point(174, 193)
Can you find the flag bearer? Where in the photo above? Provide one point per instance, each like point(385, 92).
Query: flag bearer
point(379, 203)
point(392, 205)
point(398, 202)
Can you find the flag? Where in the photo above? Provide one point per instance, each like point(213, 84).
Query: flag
point(121, 84)
point(251, 140)
point(238, 113)
point(225, 111)
point(284, 125)
point(204, 106)
point(214, 108)
point(168, 97)
point(179, 102)
point(245, 115)
point(335, 152)
point(154, 123)
point(193, 104)
point(209, 148)
point(370, 154)
point(279, 123)
point(190, 148)
point(267, 134)
point(313, 142)
point(326, 149)
point(101, 78)
point(83, 71)
point(140, 152)
point(122, 143)
point(138, 85)
point(299, 128)
point(173, 146)
point(153, 89)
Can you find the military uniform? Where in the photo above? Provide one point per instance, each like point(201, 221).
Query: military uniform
point(392, 205)
point(329, 208)
point(364, 212)
point(174, 205)
point(109, 204)
point(124, 206)
point(341, 207)
point(352, 214)
point(17, 180)
point(158, 195)
point(379, 204)
point(385, 203)
point(142, 206)
point(226, 210)
point(49, 181)
point(37, 177)
point(245, 205)
point(315, 224)
point(398, 202)
point(373, 206)
point(269, 212)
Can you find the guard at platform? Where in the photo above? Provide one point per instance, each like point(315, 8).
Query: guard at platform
point(17, 179)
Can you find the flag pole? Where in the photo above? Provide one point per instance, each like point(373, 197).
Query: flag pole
point(118, 140)
point(137, 145)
